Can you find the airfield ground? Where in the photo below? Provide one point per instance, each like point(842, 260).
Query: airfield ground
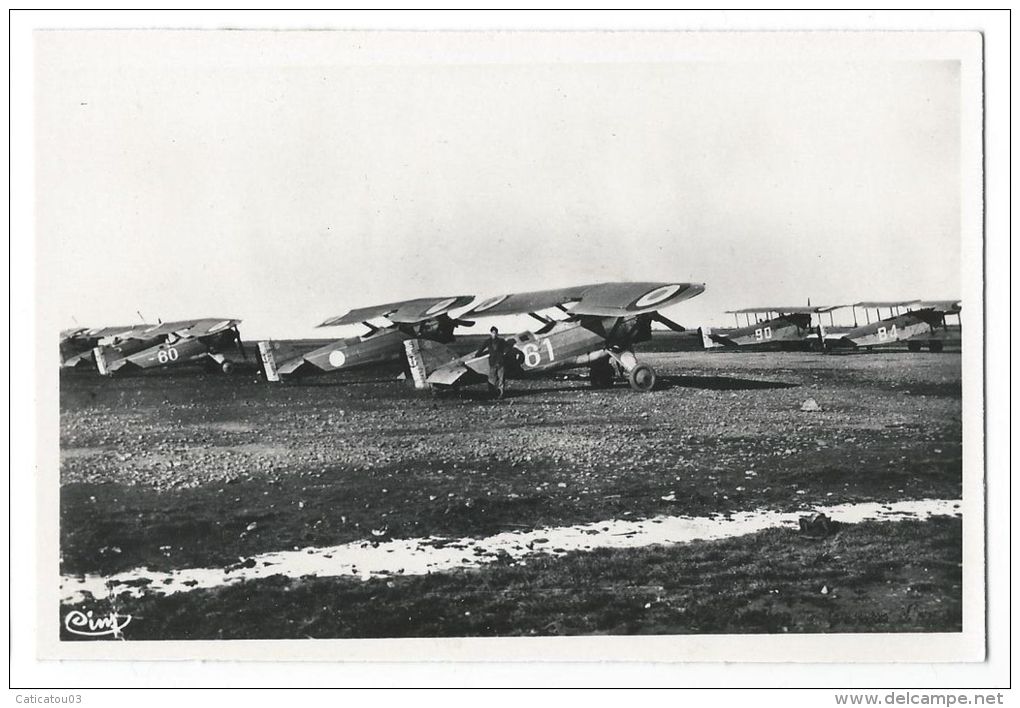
point(202, 470)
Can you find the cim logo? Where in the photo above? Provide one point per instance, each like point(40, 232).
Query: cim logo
point(85, 624)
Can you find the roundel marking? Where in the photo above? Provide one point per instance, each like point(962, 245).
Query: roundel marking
point(337, 359)
point(218, 326)
point(489, 303)
point(658, 295)
point(440, 306)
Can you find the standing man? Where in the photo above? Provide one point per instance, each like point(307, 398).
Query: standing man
point(496, 347)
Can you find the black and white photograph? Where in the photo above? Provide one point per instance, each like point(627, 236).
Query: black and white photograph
point(669, 343)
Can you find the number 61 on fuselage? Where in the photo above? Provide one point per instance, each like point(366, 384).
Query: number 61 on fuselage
point(603, 323)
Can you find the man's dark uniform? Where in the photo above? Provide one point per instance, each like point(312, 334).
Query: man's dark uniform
point(497, 348)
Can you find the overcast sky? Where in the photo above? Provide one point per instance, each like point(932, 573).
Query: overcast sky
point(188, 176)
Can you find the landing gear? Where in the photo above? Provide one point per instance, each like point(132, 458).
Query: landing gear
point(227, 367)
point(641, 378)
point(601, 373)
point(935, 346)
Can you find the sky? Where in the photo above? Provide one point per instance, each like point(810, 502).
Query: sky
point(282, 178)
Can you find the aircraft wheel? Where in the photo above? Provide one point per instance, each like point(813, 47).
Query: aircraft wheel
point(227, 367)
point(935, 346)
point(914, 346)
point(642, 378)
point(601, 374)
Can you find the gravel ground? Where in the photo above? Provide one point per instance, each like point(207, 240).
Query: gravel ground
point(185, 470)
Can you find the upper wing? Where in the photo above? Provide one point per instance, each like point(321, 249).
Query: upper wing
point(622, 299)
point(948, 306)
point(884, 303)
point(523, 303)
point(100, 332)
point(405, 311)
point(784, 310)
point(184, 328)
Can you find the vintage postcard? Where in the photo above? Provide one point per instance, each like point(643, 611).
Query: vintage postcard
point(650, 346)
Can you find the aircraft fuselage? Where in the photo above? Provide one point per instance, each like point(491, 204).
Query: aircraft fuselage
point(914, 325)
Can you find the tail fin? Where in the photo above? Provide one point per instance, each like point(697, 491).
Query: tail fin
point(706, 338)
point(425, 356)
point(269, 361)
point(99, 353)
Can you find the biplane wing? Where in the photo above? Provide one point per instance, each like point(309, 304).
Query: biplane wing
point(526, 303)
point(625, 299)
point(950, 307)
point(795, 310)
point(875, 304)
point(598, 300)
point(403, 312)
point(184, 328)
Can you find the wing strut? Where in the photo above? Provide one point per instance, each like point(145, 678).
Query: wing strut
point(662, 319)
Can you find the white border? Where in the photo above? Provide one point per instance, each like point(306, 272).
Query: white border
point(23, 322)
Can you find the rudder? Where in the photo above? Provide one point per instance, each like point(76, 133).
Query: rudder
point(269, 362)
point(425, 356)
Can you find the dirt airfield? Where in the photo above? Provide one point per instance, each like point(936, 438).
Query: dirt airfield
point(195, 470)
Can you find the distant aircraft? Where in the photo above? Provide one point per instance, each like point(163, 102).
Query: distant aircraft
point(423, 317)
point(771, 328)
point(170, 344)
point(603, 323)
point(917, 322)
point(76, 344)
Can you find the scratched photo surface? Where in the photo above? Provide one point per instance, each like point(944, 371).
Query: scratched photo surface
point(724, 394)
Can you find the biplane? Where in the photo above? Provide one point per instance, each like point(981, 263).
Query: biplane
point(771, 328)
point(171, 344)
point(599, 327)
point(918, 323)
point(425, 318)
point(76, 344)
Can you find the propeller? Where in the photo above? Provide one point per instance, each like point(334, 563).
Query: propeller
point(662, 319)
point(463, 323)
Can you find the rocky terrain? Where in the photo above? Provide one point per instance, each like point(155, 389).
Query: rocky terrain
point(174, 471)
